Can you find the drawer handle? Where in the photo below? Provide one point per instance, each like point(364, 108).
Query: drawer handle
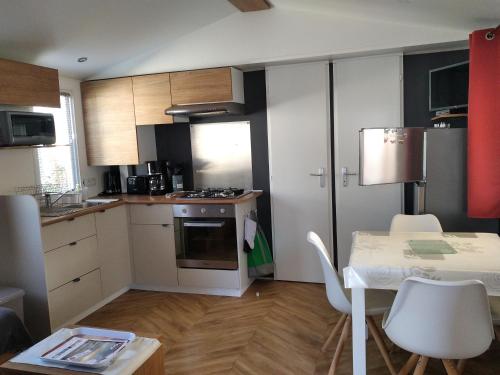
point(76, 280)
point(72, 243)
point(102, 211)
point(149, 204)
point(71, 219)
point(164, 225)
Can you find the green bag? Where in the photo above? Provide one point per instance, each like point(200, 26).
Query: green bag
point(260, 259)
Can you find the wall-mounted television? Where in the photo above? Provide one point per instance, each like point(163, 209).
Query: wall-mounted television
point(449, 87)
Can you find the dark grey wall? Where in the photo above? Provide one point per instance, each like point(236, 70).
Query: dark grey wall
point(173, 143)
point(416, 114)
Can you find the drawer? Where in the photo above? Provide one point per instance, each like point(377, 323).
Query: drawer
point(71, 261)
point(151, 214)
point(64, 232)
point(200, 278)
point(73, 298)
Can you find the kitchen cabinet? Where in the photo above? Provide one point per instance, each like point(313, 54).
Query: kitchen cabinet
point(151, 214)
point(151, 98)
point(113, 249)
point(207, 85)
point(153, 250)
point(110, 132)
point(28, 85)
point(74, 297)
point(72, 268)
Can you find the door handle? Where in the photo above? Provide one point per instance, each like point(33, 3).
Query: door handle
point(321, 174)
point(345, 176)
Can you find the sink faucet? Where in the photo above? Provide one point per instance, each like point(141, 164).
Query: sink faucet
point(48, 199)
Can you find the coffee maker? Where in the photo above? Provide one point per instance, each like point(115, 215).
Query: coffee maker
point(112, 182)
point(165, 168)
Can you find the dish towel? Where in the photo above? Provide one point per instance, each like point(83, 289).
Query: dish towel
point(260, 259)
point(484, 125)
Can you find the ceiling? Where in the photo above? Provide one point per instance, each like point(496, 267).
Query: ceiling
point(56, 33)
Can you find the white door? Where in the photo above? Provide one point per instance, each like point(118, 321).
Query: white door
point(299, 147)
point(367, 94)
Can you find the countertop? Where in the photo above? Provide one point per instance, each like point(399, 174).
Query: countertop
point(147, 199)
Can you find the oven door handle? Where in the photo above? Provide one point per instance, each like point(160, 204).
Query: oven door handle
point(204, 224)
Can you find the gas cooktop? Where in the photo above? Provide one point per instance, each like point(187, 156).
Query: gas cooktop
point(214, 193)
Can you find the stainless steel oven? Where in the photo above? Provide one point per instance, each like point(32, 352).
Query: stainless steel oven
point(205, 236)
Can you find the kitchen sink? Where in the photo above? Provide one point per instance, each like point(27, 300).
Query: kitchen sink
point(67, 209)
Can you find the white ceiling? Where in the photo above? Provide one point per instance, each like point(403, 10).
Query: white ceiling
point(181, 34)
point(56, 32)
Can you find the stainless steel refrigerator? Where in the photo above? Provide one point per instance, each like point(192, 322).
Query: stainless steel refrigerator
point(432, 162)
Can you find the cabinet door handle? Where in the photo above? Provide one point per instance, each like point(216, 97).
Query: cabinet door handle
point(102, 211)
point(71, 219)
point(72, 243)
point(164, 225)
point(76, 280)
point(149, 204)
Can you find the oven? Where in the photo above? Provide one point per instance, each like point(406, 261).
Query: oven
point(205, 236)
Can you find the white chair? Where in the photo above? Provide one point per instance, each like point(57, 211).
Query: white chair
point(440, 319)
point(415, 223)
point(377, 302)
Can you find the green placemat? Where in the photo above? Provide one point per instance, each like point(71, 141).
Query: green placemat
point(431, 247)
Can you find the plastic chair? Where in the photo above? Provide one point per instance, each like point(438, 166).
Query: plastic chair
point(377, 302)
point(440, 319)
point(415, 223)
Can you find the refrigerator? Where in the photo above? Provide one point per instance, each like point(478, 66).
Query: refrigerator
point(432, 162)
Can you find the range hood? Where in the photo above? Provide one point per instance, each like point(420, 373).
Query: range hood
point(206, 109)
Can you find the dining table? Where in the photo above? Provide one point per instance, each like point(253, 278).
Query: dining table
point(383, 260)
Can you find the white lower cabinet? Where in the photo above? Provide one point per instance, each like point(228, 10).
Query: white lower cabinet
point(113, 249)
point(200, 278)
point(73, 298)
point(153, 250)
point(71, 261)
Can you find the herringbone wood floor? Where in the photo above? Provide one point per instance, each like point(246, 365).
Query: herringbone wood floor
point(280, 331)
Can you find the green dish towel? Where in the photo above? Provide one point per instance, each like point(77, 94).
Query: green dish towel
point(260, 259)
point(431, 247)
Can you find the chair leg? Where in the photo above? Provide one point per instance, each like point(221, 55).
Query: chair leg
point(461, 366)
point(421, 365)
point(372, 326)
point(450, 367)
point(340, 346)
point(335, 330)
point(409, 365)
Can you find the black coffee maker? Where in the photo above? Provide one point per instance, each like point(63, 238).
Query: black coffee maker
point(164, 167)
point(112, 182)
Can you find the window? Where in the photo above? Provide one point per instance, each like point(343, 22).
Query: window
point(58, 165)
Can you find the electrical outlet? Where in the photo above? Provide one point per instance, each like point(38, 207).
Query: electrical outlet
point(89, 181)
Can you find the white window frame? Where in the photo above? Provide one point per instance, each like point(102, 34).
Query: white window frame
point(73, 146)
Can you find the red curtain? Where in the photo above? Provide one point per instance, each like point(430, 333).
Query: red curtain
point(484, 125)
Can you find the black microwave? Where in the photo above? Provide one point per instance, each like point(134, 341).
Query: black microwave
point(26, 128)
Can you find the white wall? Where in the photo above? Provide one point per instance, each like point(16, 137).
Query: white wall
point(18, 166)
point(281, 35)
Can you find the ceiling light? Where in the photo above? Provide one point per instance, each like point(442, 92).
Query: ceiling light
point(82, 59)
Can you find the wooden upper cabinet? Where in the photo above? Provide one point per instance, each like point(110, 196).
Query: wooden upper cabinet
point(152, 98)
point(207, 86)
point(110, 132)
point(28, 85)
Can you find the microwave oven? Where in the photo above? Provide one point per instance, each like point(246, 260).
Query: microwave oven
point(26, 128)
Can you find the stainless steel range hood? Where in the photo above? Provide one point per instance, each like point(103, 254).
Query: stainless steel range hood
point(206, 109)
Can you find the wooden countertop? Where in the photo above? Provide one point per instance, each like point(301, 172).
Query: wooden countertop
point(147, 199)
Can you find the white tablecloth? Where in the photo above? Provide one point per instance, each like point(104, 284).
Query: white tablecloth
point(380, 260)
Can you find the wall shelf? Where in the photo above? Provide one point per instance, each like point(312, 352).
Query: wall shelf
point(32, 146)
point(449, 115)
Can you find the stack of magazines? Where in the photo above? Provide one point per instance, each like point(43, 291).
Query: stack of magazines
point(89, 349)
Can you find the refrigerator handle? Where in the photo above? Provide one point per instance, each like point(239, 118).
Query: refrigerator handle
point(345, 176)
point(419, 198)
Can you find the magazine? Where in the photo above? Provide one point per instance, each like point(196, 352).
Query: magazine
point(85, 350)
